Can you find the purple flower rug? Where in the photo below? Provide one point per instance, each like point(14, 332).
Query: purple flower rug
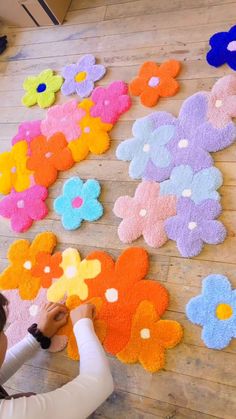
point(175, 152)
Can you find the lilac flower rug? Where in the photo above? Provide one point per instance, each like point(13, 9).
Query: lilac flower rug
point(80, 77)
point(175, 152)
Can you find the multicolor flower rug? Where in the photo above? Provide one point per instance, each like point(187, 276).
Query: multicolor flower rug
point(215, 311)
point(129, 307)
point(176, 153)
point(42, 149)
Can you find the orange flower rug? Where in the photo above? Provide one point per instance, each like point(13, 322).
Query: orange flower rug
point(155, 81)
point(128, 306)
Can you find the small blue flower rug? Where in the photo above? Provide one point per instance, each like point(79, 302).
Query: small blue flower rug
point(223, 49)
point(78, 202)
point(215, 310)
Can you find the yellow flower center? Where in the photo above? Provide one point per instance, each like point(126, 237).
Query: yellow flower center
point(81, 76)
point(224, 311)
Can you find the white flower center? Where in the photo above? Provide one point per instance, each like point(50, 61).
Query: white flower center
point(146, 148)
point(20, 204)
point(187, 193)
point(33, 310)
point(47, 270)
point(153, 81)
point(111, 295)
point(143, 212)
point(218, 103)
point(145, 333)
point(192, 225)
point(183, 143)
point(48, 154)
point(86, 130)
point(27, 265)
point(71, 271)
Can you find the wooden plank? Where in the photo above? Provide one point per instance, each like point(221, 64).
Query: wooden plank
point(165, 386)
point(86, 4)
point(113, 42)
point(142, 7)
point(223, 252)
point(154, 21)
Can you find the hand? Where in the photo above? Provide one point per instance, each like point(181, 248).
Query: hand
point(82, 312)
point(52, 318)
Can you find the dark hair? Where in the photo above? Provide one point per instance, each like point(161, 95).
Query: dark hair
point(3, 311)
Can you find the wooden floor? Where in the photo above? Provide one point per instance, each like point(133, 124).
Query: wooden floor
point(197, 382)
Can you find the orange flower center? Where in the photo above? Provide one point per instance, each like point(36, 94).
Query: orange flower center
point(224, 311)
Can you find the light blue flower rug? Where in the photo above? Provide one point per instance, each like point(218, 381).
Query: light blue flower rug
point(215, 310)
point(78, 202)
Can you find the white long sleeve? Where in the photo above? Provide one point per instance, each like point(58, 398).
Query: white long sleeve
point(17, 356)
point(77, 399)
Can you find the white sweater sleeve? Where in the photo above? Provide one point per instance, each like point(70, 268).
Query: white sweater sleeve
point(17, 356)
point(77, 399)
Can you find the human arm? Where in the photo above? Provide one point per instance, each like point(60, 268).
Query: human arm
point(52, 317)
point(80, 397)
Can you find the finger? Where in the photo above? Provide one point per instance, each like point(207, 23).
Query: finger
point(55, 311)
point(63, 321)
point(94, 311)
point(62, 307)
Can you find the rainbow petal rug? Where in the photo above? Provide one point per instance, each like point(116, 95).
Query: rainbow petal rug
point(129, 307)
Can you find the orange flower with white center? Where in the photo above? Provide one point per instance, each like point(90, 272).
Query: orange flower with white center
point(149, 338)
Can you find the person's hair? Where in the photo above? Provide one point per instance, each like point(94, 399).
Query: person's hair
point(3, 311)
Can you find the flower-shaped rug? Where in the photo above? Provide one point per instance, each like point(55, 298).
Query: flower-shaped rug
point(129, 308)
point(215, 310)
point(79, 202)
point(42, 149)
point(223, 49)
point(155, 81)
point(162, 142)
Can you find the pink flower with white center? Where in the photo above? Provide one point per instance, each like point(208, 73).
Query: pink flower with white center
point(110, 102)
point(222, 101)
point(63, 118)
point(23, 208)
point(27, 131)
point(144, 214)
point(23, 313)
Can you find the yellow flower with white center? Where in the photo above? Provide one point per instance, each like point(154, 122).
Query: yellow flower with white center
point(13, 170)
point(72, 281)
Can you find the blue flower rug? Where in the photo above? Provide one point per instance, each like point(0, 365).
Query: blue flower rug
point(215, 310)
point(79, 202)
